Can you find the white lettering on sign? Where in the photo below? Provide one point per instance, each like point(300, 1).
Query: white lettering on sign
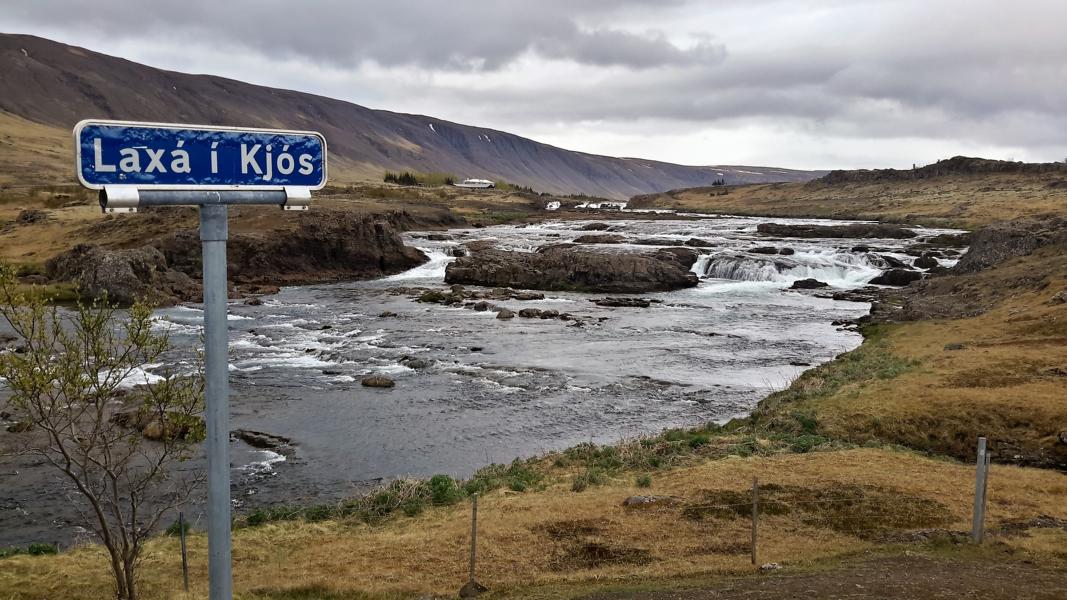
point(249, 158)
point(142, 159)
point(98, 155)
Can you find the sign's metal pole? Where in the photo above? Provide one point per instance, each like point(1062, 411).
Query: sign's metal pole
point(213, 235)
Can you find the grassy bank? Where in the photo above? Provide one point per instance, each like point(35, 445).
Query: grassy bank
point(557, 536)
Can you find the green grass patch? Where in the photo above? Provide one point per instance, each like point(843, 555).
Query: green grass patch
point(872, 361)
point(31, 550)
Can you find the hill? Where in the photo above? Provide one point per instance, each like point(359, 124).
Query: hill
point(49, 86)
point(958, 192)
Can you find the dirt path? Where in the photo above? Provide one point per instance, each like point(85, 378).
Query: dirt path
point(903, 578)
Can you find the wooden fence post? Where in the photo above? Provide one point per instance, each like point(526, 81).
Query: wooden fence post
point(185, 558)
point(755, 516)
point(980, 480)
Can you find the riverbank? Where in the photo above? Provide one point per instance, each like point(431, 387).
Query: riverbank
point(556, 542)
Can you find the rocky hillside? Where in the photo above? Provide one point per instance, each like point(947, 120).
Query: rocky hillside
point(957, 165)
point(54, 85)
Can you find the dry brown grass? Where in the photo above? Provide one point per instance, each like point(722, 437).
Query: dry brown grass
point(960, 201)
point(558, 536)
point(1008, 382)
point(34, 154)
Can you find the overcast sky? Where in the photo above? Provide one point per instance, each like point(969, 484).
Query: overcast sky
point(804, 84)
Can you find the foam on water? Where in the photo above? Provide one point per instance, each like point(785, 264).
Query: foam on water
point(433, 269)
point(835, 267)
point(266, 465)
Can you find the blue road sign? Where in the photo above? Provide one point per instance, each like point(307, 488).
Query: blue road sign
point(171, 156)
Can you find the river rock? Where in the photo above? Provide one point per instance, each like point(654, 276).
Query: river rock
point(377, 381)
point(861, 248)
point(258, 439)
point(530, 313)
point(787, 252)
point(604, 238)
point(624, 302)
point(505, 313)
point(577, 269)
point(852, 230)
point(549, 314)
point(698, 243)
point(763, 250)
point(414, 363)
point(480, 245)
point(897, 277)
point(925, 262)
point(595, 227)
point(808, 284)
point(438, 237)
point(654, 242)
point(481, 306)
point(885, 260)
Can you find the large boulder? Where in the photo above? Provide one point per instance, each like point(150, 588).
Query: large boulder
point(852, 230)
point(124, 276)
point(577, 269)
point(926, 261)
point(897, 277)
point(600, 238)
point(808, 284)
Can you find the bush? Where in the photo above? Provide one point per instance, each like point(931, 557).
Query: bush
point(589, 477)
point(176, 528)
point(32, 550)
point(444, 491)
point(644, 480)
point(698, 439)
point(519, 476)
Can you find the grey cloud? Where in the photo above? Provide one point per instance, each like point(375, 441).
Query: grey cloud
point(460, 34)
point(965, 70)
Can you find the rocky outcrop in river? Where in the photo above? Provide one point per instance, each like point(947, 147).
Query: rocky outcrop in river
point(852, 230)
point(124, 276)
point(578, 269)
point(325, 245)
point(1003, 241)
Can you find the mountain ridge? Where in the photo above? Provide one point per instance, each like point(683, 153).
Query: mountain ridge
point(54, 84)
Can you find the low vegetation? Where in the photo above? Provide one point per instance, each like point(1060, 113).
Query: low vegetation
point(556, 536)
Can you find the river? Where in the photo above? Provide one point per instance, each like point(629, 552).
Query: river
point(494, 390)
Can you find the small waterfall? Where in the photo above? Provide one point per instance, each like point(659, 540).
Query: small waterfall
point(841, 269)
point(432, 269)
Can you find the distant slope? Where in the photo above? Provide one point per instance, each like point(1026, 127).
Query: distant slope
point(959, 192)
point(57, 85)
